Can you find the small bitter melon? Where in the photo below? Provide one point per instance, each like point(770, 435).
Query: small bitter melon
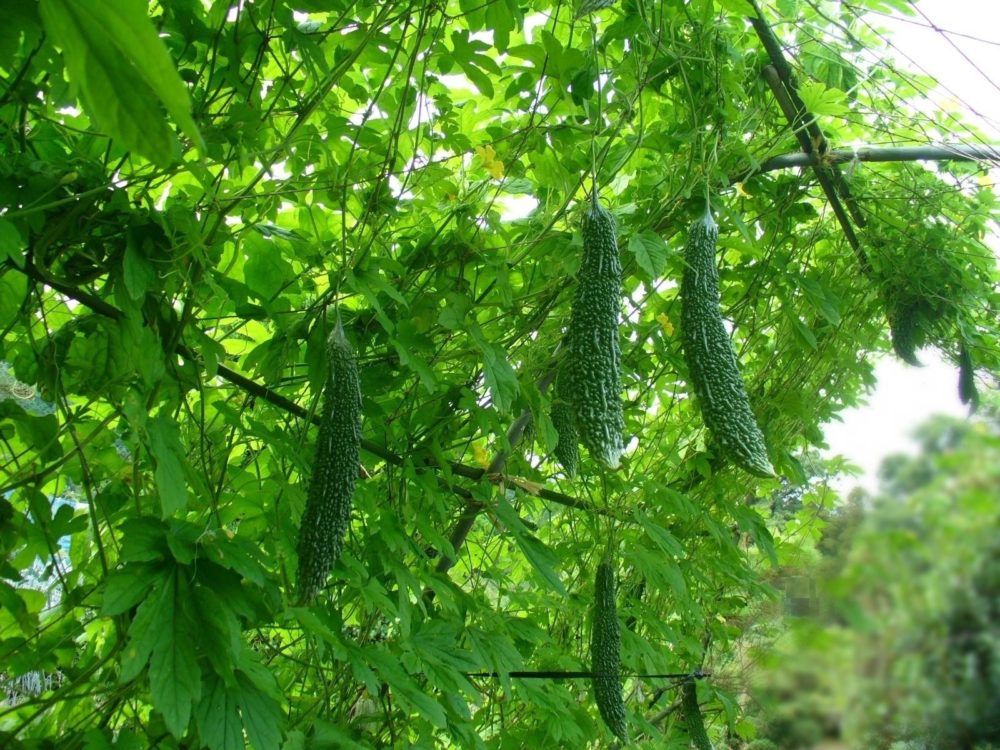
point(567, 450)
point(904, 330)
point(593, 359)
point(692, 716)
point(335, 470)
point(710, 359)
point(605, 652)
point(967, 377)
point(589, 6)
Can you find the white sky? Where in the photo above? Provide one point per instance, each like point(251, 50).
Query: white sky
point(906, 396)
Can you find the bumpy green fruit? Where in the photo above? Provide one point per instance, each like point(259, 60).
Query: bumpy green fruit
point(593, 359)
point(692, 716)
point(605, 653)
point(567, 450)
point(589, 6)
point(903, 329)
point(967, 377)
point(335, 470)
point(710, 359)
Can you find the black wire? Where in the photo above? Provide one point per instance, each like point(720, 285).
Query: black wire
point(563, 675)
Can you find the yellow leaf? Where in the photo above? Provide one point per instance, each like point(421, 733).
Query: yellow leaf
point(495, 168)
point(664, 321)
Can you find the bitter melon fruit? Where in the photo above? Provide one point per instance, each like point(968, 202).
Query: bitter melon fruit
point(589, 6)
point(903, 329)
point(593, 359)
point(567, 450)
point(710, 359)
point(692, 716)
point(335, 470)
point(967, 377)
point(605, 653)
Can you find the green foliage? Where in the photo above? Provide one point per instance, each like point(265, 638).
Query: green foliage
point(710, 358)
point(122, 72)
point(903, 650)
point(936, 530)
point(190, 188)
point(327, 515)
point(593, 366)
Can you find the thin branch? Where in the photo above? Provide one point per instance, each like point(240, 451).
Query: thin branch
point(781, 80)
point(947, 152)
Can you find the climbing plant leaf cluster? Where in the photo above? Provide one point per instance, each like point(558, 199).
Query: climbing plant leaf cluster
point(194, 194)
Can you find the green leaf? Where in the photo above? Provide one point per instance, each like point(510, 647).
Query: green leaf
point(143, 540)
point(217, 717)
point(500, 376)
point(11, 243)
point(219, 631)
point(820, 100)
point(137, 272)
point(265, 271)
point(13, 288)
point(14, 604)
point(405, 687)
point(125, 588)
point(542, 559)
point(165, 445)
point(802, 332)
point(659, 535)
point(144, 632)
point(821, 298)
point(650, 252)
point(123, 72)
point(174, 674)
point(503, 16)
point(261, 713)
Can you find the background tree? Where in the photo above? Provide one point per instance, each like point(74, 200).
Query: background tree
point(899, 648)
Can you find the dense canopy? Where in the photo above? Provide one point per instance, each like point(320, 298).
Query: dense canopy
point(193, 193)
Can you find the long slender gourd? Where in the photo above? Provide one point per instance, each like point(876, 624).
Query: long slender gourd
point(567, 450)
point(710, 359)
point(692, 716)
point(593, 359)
point(967, 377)
point(605, 653)
point(903, 331)
point(335, 470)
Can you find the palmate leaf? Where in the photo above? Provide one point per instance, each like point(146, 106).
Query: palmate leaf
point(164, 444)
point(174, 674)
point(227, 709)
point(123, 72)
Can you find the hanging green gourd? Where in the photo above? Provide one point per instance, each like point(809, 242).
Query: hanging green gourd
point(593, 359)
point(567, 450)
point(710, 358)
point(335, 470)
point(692, 716)
point(605, 652)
